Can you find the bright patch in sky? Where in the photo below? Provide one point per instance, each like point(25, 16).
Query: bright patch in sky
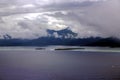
point(28, 6)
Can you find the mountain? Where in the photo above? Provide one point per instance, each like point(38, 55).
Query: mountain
point(45, 41)
point(65, 33)
point(107, 42)
point(61, 37)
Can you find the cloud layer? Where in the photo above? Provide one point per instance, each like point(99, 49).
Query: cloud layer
point(30, 19)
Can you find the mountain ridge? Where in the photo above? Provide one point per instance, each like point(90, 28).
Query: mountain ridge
point(64, 37)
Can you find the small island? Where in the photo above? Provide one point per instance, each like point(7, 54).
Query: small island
point(68, 48)
point(39, 48)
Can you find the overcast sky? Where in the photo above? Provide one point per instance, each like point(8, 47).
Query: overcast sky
point(29, 19)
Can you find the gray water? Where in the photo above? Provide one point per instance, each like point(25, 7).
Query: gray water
point(59, 65)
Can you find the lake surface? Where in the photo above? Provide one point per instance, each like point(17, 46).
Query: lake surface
point(59, 65)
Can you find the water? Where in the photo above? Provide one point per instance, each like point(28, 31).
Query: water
point(53, 48)
point(59, 65)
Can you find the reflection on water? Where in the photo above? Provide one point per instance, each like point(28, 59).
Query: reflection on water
point(59, 65)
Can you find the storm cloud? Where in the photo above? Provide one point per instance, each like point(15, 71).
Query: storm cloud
point(30, 19)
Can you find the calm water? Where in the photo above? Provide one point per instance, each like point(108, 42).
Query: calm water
point(59, 65)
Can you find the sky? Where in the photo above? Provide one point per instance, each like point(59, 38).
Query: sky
point(29, 19)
